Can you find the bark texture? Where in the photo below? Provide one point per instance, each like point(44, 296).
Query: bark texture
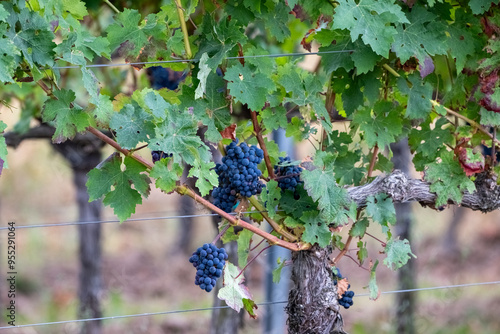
point(402, 189)
point(312, 303)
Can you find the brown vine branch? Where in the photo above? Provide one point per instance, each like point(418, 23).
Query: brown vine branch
point(273, 240)
point(374, 237)
point(372, 161)
point(403, 189)
point(258, 134)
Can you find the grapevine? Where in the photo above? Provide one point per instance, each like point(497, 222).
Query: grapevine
point(232, 71)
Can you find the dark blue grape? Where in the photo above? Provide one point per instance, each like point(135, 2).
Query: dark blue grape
point(208, 270)
point(238, 175)
point(158, 155)
point(161, 77)
point(287, 175)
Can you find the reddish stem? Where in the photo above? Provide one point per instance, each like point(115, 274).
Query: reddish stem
point(248, 263)
point(374, 237)
point(372, 161)
point(258, 134)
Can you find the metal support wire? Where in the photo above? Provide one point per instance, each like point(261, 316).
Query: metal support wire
point(221, 307)
point(128, 220)
point(194, 60)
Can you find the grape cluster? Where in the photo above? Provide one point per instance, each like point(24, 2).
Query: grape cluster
point(238, 175)
point(158, 155)
point(346, 299)
point(161, 77)
point(209, 262)
point(287, 175)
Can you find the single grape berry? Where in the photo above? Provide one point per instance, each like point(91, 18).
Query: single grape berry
point(158, 155)
point(238, 175)
point(208, 270)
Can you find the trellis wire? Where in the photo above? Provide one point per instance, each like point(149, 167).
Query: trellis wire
point(224, 307)
point(128, 220)
point(194, 60)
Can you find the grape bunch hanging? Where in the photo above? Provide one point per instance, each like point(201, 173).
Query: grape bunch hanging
point(287, 175)
point(209, 262)
point(238, 175)
point(346, 298)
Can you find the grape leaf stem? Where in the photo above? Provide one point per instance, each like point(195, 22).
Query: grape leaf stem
point(249, 262)
point(111, 6)
point(471, 122)
point(180, 13)
point(374, 237)
point(258, 134)
point(271, 222)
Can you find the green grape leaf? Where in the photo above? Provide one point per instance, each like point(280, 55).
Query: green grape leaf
point(206, 178)
point(250, 306)
point(219, 38)
point(277, 271)
point(156, 104)
point(3, 148)
point(381, 208)
point(276, 20)
point(103, 111)
point(132, 125)
point(109, 180)
point(233, 292)
point(341, 58)
point(69, 118)
point(316, 230)
point(212, 110)
point(359, 228)
point(247, 87)
point(166, 177)
point(333, 201)
point(427, 142)
point(244, 240)
point(32, 35)
point(296, 203)
point(371, 19)
point(345, 168)
point(372, 285)
point(177, 135)
point(381, 125)
point(271, 197)
point(274, 118)
point(3, 13)
point(421, 37)
point(299, 129)
point(9, 54)
point(489, 118)
point(304, 89)
point(362, 252)
point(419, 97)
point(448, 180)
point(481, 6)
point(132, 35)
point(398, 253)
point(463, 37)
